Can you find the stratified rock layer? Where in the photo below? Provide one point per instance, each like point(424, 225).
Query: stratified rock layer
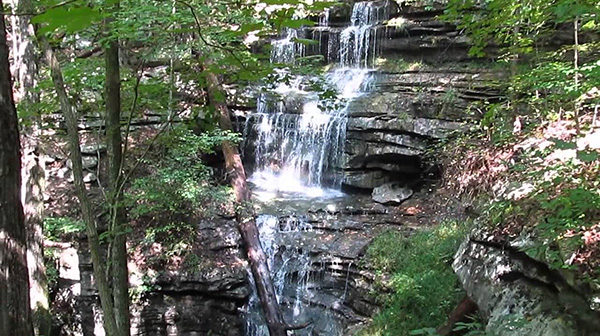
point(518, 295)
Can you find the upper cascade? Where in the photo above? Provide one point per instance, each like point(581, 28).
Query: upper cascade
point(295, 141)
point(287, 49)
point(359, 42)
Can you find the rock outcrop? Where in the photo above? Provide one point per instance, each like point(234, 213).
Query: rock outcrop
point(421, 94)
point(203, 299)
point(200, 304)
point(519, 295)
point(318, 257)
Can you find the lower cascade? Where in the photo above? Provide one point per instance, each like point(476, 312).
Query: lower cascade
point(297, 281)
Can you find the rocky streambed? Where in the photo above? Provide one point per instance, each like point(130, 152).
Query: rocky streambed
point(316, 249)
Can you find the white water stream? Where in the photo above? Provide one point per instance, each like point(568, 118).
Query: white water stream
point(294, 144)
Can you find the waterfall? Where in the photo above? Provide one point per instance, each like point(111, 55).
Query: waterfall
point(358, 42)
point(299, 152)
point(286, 50)
point(294, 145)
point(294, 278)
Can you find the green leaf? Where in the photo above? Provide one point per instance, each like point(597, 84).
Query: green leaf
point(587, 155)
point(590, 25)
point(305, 41)
point(296, 23)
point(424, 331)
point(563, 144)
point(248, 27)
point(281, 2)
point(70, 19)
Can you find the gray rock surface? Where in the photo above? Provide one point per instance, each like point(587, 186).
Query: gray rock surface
point(93, 149)
point(196, 300)
point(520, 296)
point(334, 237)
point(391, 193)
point(390, 129)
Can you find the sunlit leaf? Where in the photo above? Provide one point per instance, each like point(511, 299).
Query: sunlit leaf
point(70, 19)
point(587, 155)
point(296, 23)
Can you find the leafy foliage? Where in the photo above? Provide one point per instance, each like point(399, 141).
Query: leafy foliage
point(55, 228)
point(565, 218)
point(559, 208)
point(181, 183)
point(424, 287)
point(547, 82)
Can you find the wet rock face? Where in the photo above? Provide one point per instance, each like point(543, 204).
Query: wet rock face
point(420, 95)
point(511, 288)
point(190, 315)
point(390, 129)
point(318, 259)
point(197, 304)
point(424, 83)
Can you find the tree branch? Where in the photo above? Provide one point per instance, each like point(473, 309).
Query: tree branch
point(210, 44)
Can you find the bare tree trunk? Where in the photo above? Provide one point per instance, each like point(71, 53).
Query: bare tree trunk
point(15, 317)
point(576, 66)
point(70, 116)
point(246, 217)
point(32, 192)
point(117, 220)
point(33, 170)
point(514, 63)
point(24, 65)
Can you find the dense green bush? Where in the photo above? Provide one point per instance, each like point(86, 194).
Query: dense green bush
point(177, 190)
point(423, 286)
point(180, 183)
point(55, 228)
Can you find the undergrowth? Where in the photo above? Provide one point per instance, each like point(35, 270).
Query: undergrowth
point(423, 288)
point(540, 185)
point(178, 190)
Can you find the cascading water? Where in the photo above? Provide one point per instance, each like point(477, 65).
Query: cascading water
point(295, 141)
point(294, 146)
point(295, 278)
point(358, 42)
point(290, 267)
point(287, 49)
point(299, 152)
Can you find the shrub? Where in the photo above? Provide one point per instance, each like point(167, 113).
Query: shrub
point(424, 287)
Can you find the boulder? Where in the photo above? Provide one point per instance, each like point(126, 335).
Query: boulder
point(391, 193)
point(88, 162)
point(89, 177)
point(512, 289)
point(93, 149)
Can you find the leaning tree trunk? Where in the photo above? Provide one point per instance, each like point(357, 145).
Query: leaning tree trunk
point(33, 170)
point(246, 217)
point(69, 113)
point(117, 220)
point(15, 316)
